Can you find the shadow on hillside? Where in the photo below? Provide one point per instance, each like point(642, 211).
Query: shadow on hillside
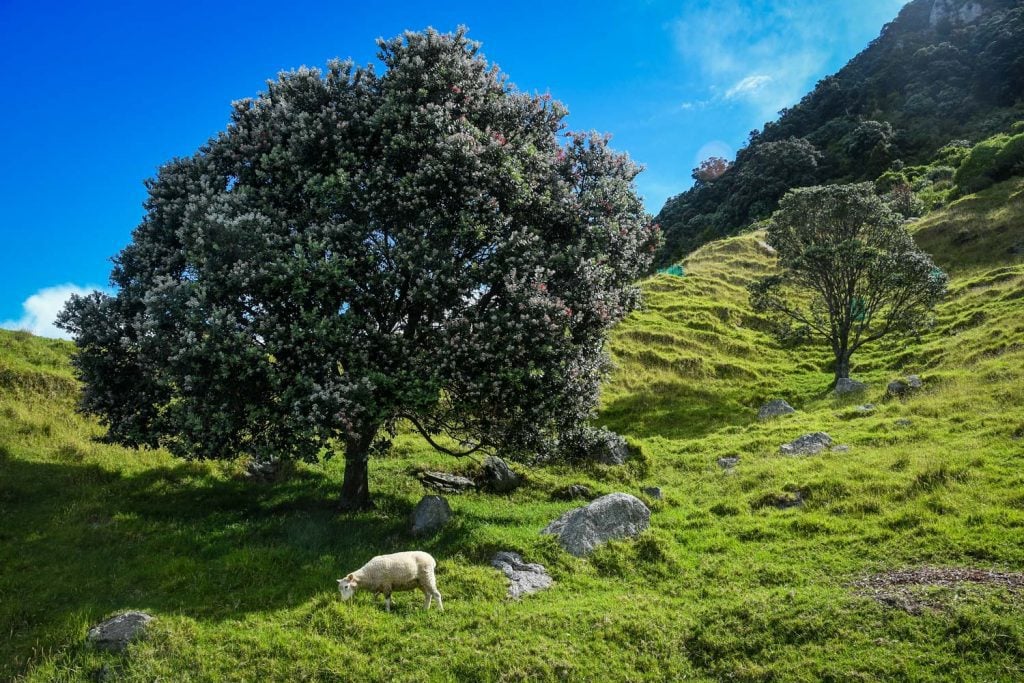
point(80, 541)
point(673, 411)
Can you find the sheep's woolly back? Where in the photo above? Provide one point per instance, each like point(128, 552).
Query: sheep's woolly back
point(406, 569)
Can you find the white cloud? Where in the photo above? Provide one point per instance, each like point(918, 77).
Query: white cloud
point(41, 309)
point(748, 86)
point(768, 54)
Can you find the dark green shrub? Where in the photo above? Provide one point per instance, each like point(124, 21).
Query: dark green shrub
point(975, 170)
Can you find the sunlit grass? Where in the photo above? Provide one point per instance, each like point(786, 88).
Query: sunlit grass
point(724, 586)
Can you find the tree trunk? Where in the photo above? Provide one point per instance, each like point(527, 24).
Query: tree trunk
point(842, 366)
point(355, 489)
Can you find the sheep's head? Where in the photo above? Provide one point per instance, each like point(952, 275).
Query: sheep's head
point(347, 587)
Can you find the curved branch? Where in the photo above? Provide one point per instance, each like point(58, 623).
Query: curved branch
point(426, 435)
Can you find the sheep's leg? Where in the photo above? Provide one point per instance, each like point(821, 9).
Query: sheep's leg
point(430, 590)
point(426, 601)
point(387, 601)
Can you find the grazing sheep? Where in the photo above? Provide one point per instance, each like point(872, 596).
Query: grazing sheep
point(396, 572)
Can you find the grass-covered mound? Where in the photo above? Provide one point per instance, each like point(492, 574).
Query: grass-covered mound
point(777, 569)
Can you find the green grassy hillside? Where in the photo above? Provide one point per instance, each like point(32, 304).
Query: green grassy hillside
point(731, 582)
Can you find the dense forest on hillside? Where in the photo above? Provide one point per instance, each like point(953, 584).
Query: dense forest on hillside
point(943, 70)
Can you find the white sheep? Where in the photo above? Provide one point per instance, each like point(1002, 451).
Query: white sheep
point(395, 572)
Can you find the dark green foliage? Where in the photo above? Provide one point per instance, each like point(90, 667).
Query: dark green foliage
point(989, 162)
point(917, 86)
point(355, 249)
point(850, 272)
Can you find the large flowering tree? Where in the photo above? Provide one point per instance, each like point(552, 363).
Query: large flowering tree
point(359, 248)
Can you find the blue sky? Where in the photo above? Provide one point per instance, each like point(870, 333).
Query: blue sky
point(97, 94)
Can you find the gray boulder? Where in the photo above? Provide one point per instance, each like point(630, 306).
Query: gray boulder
point(446, 483)
point(115, 633)
point(728, 462)
point(429, 515)
point(899, 388)
point(848, 386)
point(524, 578)
point(653, 491)
point(808, 444)
point(775, 408)
point(498, 476)
point(617, 515)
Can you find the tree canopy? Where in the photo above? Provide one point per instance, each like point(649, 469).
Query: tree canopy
point(357, 248)
point(849, 271)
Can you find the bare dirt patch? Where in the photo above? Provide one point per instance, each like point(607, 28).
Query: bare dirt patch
point(916, 589)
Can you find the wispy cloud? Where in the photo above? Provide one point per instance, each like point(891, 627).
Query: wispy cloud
point(768, 54)
point(41, 309)
point(748, 86)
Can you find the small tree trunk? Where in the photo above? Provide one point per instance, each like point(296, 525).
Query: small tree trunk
point(355, 489)
point(842, 366)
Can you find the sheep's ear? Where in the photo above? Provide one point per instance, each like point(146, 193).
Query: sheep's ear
point(341, 581)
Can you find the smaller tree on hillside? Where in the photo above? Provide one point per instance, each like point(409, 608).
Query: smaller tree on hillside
point(710, 169)
point(849, 271)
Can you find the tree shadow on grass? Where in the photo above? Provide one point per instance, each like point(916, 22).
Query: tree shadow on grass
point(79, 542)
point(673, 411)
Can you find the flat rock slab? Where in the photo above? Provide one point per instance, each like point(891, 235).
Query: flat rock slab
point(524, 577)
point(776, 408)
point(429, 516)
point(115, 633)
point(808, 444)
point(617, 515)
point(446, 483)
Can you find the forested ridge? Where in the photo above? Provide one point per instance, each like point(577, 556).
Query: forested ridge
point(941, 71)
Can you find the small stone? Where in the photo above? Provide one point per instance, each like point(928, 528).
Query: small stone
point(115, 633)
point(866, 408)
point(617, 515)
point(572, 492)
point(498, 476)
point(842, 448)
point(524, 578)
point(903, 422)
point(848, 386)
point(446, 483)
point(775, 408)
point(429, 516)
point(263, 469)
point(808, 444)
point(899, 388)
point(728, 462)
point(653, 491)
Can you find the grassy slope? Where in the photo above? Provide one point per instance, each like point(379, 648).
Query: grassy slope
point(241, 575)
